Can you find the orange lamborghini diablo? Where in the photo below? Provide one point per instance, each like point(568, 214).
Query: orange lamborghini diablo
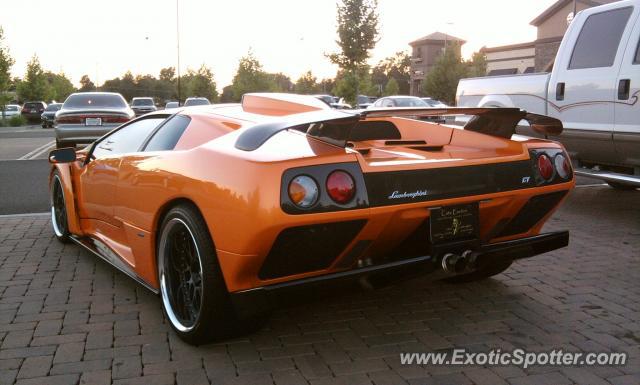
point(217, 207)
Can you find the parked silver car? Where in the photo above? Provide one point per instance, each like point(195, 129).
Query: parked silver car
point(86, 116)
point(196, 101)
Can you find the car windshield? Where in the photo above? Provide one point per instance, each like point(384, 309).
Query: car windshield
point(142, 102)
point(33, 105)
point(79, 101)
point(53, 107)
point(410, 102)
point(196, 102)
point(363, 99)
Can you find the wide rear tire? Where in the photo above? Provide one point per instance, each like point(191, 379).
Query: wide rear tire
point(194, 295)
point(59, 220)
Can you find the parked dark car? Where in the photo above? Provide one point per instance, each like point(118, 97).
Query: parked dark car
point(49, 114)
point(32, 110)
point(143, 105)
point(86, 116)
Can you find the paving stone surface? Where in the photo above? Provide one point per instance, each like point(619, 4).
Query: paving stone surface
point(68, 318)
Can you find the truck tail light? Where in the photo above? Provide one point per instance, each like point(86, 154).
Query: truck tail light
point(545, 167)
point(303, 191)
point(341, 187)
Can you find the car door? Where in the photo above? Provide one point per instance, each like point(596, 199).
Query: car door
point(99, 177)
point(583, 84)
point(626, 135)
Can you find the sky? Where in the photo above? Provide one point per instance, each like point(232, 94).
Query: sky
point(105, 38)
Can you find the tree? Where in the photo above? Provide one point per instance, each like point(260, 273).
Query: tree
point(59, 86)
point(357, 35)
point(442, 80)
point(86, 85)
point(168, 74)
point(250, 77)
point(281, 82)
point(34, 85)
point(201, 83)
point(346, 84)
point(307, 84)
point(398, 67)
point(227, 94)
point(391, 88)
point(6, 62)
point(477, 65)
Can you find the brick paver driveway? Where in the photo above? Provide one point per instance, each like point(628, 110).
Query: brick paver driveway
point(66, 317)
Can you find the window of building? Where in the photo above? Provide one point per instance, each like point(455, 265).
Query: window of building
point(599, 38)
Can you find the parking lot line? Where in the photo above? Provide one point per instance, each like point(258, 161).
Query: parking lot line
point(38, 151)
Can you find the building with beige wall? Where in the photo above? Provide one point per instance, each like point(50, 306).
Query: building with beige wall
point(538, 55)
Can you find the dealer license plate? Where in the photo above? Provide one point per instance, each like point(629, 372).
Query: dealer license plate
point(453, 223)
point(93, 122)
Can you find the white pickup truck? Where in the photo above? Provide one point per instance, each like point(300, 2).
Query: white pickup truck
point(593, 89)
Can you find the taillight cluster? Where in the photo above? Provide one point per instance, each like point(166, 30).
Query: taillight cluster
point(304, 191)
point(79, 119)
point(323, 188)
point(551, 164)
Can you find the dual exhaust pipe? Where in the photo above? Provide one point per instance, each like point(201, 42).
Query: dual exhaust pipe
point(459, 263)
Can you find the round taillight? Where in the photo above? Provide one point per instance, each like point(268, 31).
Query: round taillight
point(303, 191)
point(545, 167)
point(562, 165)
point(341, 186)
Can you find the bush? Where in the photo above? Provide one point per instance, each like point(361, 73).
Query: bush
point(17, 121)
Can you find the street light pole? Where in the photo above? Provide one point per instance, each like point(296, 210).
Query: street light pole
point(178, 46)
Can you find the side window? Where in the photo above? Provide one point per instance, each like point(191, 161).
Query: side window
point(168, 135)
point(636, 60)
point(128, 138)
point(599, 38)
point(388, 103)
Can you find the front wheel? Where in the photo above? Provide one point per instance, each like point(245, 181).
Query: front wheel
point(194, 296)
point(59, 220)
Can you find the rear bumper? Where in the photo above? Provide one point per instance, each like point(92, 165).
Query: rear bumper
point(82, 133)
point(254, 301)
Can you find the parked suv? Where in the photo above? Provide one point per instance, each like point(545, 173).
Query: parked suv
point(196, 101)
point(143, 105)
point(32, 110)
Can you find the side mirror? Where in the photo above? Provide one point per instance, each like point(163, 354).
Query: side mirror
point(62, 155)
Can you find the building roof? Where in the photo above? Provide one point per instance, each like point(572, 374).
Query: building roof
point(437, 36)
point(558, 5)
point(510, 47)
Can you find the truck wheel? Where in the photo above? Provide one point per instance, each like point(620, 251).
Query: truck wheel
point(621, 186)
point(483, 272)
point(194, 295)
point(59, 220)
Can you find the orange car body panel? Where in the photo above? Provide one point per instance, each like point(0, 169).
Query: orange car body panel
point(238, 192)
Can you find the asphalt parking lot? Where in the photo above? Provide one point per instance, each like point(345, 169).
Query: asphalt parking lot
point(68, 318)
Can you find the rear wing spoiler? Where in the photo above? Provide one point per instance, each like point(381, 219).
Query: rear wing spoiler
point(335, 126)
